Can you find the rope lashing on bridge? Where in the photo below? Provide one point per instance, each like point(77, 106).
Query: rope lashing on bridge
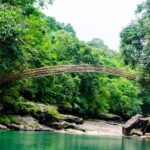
point(56, 70)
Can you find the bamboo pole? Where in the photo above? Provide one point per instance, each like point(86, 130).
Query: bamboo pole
point(55, 70)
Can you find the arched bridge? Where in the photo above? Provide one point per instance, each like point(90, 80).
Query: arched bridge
point(55, 70)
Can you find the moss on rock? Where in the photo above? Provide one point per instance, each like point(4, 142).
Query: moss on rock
point(7, 119)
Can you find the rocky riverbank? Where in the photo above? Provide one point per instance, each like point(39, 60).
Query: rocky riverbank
point(30, 116)
point(75, 125)
point(28, 123)
point(89, 127)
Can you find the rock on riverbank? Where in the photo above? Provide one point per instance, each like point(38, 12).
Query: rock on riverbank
point(137, 126)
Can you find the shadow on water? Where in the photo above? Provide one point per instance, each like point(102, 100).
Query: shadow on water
point(49, 141)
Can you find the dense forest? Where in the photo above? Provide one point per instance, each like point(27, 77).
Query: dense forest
point(30, 39)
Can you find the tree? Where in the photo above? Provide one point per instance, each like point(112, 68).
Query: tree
point(26, 2)
point(11, 54)
point(135, 48)
point(98, 43)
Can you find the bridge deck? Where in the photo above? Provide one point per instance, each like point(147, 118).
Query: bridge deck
point(55, 70)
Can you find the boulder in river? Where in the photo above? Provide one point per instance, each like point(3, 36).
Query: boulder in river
point(131, 124)
point(137, 125)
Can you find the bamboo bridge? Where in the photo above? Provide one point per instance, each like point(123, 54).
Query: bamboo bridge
point(60, 69)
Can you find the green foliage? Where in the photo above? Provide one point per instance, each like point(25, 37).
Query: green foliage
point(135, 47)
point(54, 113)
point(10, 50)
point(131, 44)
point(123, 97)
point(26, 2)
point(29, 39)
point(35, 109)
point(98, 43)
point(6, 119)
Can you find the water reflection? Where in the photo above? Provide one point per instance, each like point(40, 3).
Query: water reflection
point(135, 144)
point(48, 141)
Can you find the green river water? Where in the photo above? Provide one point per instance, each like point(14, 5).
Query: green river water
point(50, 141)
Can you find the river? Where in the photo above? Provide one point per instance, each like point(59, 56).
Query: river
point(50, 141)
